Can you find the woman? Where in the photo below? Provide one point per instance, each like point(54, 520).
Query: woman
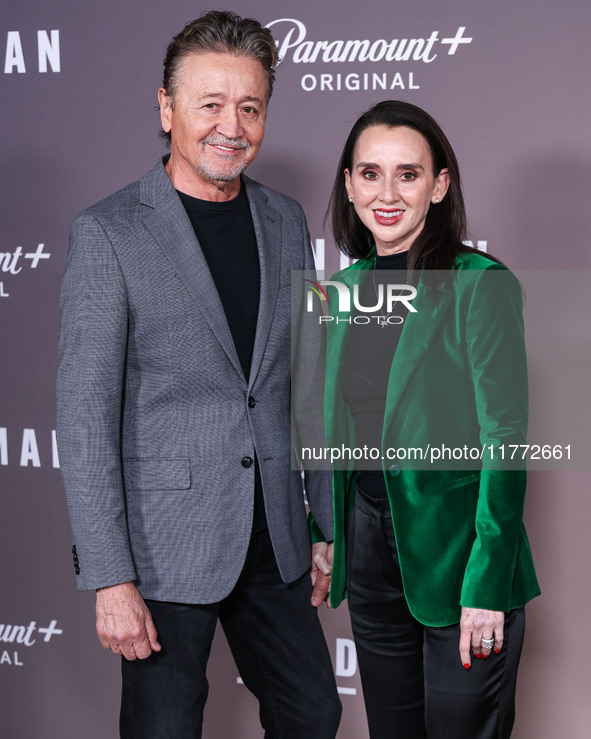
point(434, 558)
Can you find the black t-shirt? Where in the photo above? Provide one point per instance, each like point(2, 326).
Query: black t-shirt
point(368, 361)
point(225, 232)
point(226, 235)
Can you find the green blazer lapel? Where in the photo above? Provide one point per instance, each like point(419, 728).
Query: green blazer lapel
point(431, 303)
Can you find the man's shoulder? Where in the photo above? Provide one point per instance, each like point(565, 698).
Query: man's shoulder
point(117, 201)
point(128, 200)
point(274, 198)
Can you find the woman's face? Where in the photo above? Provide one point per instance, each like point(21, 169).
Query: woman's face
point(392, 185)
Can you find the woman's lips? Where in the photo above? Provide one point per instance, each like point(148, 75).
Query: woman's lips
point(387, 217)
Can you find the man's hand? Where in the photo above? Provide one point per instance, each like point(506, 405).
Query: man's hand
point(123, 622)
point(477, 625)
point(320, 571)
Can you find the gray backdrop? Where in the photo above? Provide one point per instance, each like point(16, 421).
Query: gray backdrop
point(508, 81)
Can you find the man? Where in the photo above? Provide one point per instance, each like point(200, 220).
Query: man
point(174, 410)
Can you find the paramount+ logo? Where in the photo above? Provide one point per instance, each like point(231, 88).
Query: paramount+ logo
point(12, 264)
point(14, 639)
point(399, 57)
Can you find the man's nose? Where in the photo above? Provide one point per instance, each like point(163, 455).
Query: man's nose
point(229, 123)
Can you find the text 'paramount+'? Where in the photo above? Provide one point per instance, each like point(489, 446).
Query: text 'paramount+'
point(293, 44)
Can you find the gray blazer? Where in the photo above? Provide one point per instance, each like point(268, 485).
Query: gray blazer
point(154, 417)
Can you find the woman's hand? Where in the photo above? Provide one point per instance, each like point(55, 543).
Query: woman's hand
point(477, 625)
point(320, 572)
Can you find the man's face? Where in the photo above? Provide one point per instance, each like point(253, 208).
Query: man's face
point(217, 121)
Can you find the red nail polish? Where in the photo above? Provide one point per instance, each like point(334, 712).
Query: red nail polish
point(497, 651)
point(467, 666)
point(485, 656)
point(478, 656)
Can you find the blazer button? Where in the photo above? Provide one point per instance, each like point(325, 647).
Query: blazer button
point(246, 462)
point(395, 470)
point(77, 570)
point(251, 402)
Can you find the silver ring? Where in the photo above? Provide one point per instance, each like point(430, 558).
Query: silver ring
point(488, 643)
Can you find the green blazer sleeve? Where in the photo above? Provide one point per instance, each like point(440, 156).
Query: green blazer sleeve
point(495, 347)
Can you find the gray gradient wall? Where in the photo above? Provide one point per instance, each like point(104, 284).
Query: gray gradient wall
point(508, 81)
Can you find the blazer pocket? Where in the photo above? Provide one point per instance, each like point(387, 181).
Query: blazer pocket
point(462, 478)
point(171, 473)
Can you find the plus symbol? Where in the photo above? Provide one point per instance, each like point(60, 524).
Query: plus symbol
point(36, 256)
point(457, 40)
point(50, 630)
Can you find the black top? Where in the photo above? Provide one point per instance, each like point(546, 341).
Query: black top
point(225, 232)
point(368, 360)
point(226, 235)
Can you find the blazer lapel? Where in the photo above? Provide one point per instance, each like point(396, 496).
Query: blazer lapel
point(431, 303)
point(171, 228)
point(268, 231)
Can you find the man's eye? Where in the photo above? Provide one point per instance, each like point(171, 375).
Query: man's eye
point(249, 110)
point(211, 106)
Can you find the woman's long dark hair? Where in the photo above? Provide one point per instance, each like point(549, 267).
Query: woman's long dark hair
point(441, 239)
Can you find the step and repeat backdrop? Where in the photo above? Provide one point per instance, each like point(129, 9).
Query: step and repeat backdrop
point(509, 84)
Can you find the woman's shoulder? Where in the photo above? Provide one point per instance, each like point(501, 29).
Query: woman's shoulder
point(477, 272)
point(360, 264)
point(478, 260)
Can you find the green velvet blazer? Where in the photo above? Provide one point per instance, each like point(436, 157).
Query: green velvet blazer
point(459, 377)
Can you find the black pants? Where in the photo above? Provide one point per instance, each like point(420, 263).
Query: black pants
point(277, 642)
point(414, 683)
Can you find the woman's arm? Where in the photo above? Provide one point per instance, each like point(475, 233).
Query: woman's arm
point(496, 352)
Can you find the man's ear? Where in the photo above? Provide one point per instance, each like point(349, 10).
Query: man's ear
point(165, 103)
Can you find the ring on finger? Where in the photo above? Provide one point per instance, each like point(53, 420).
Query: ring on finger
point(488, 643)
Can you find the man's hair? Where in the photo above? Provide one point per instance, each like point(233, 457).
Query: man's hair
point(219, 31)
